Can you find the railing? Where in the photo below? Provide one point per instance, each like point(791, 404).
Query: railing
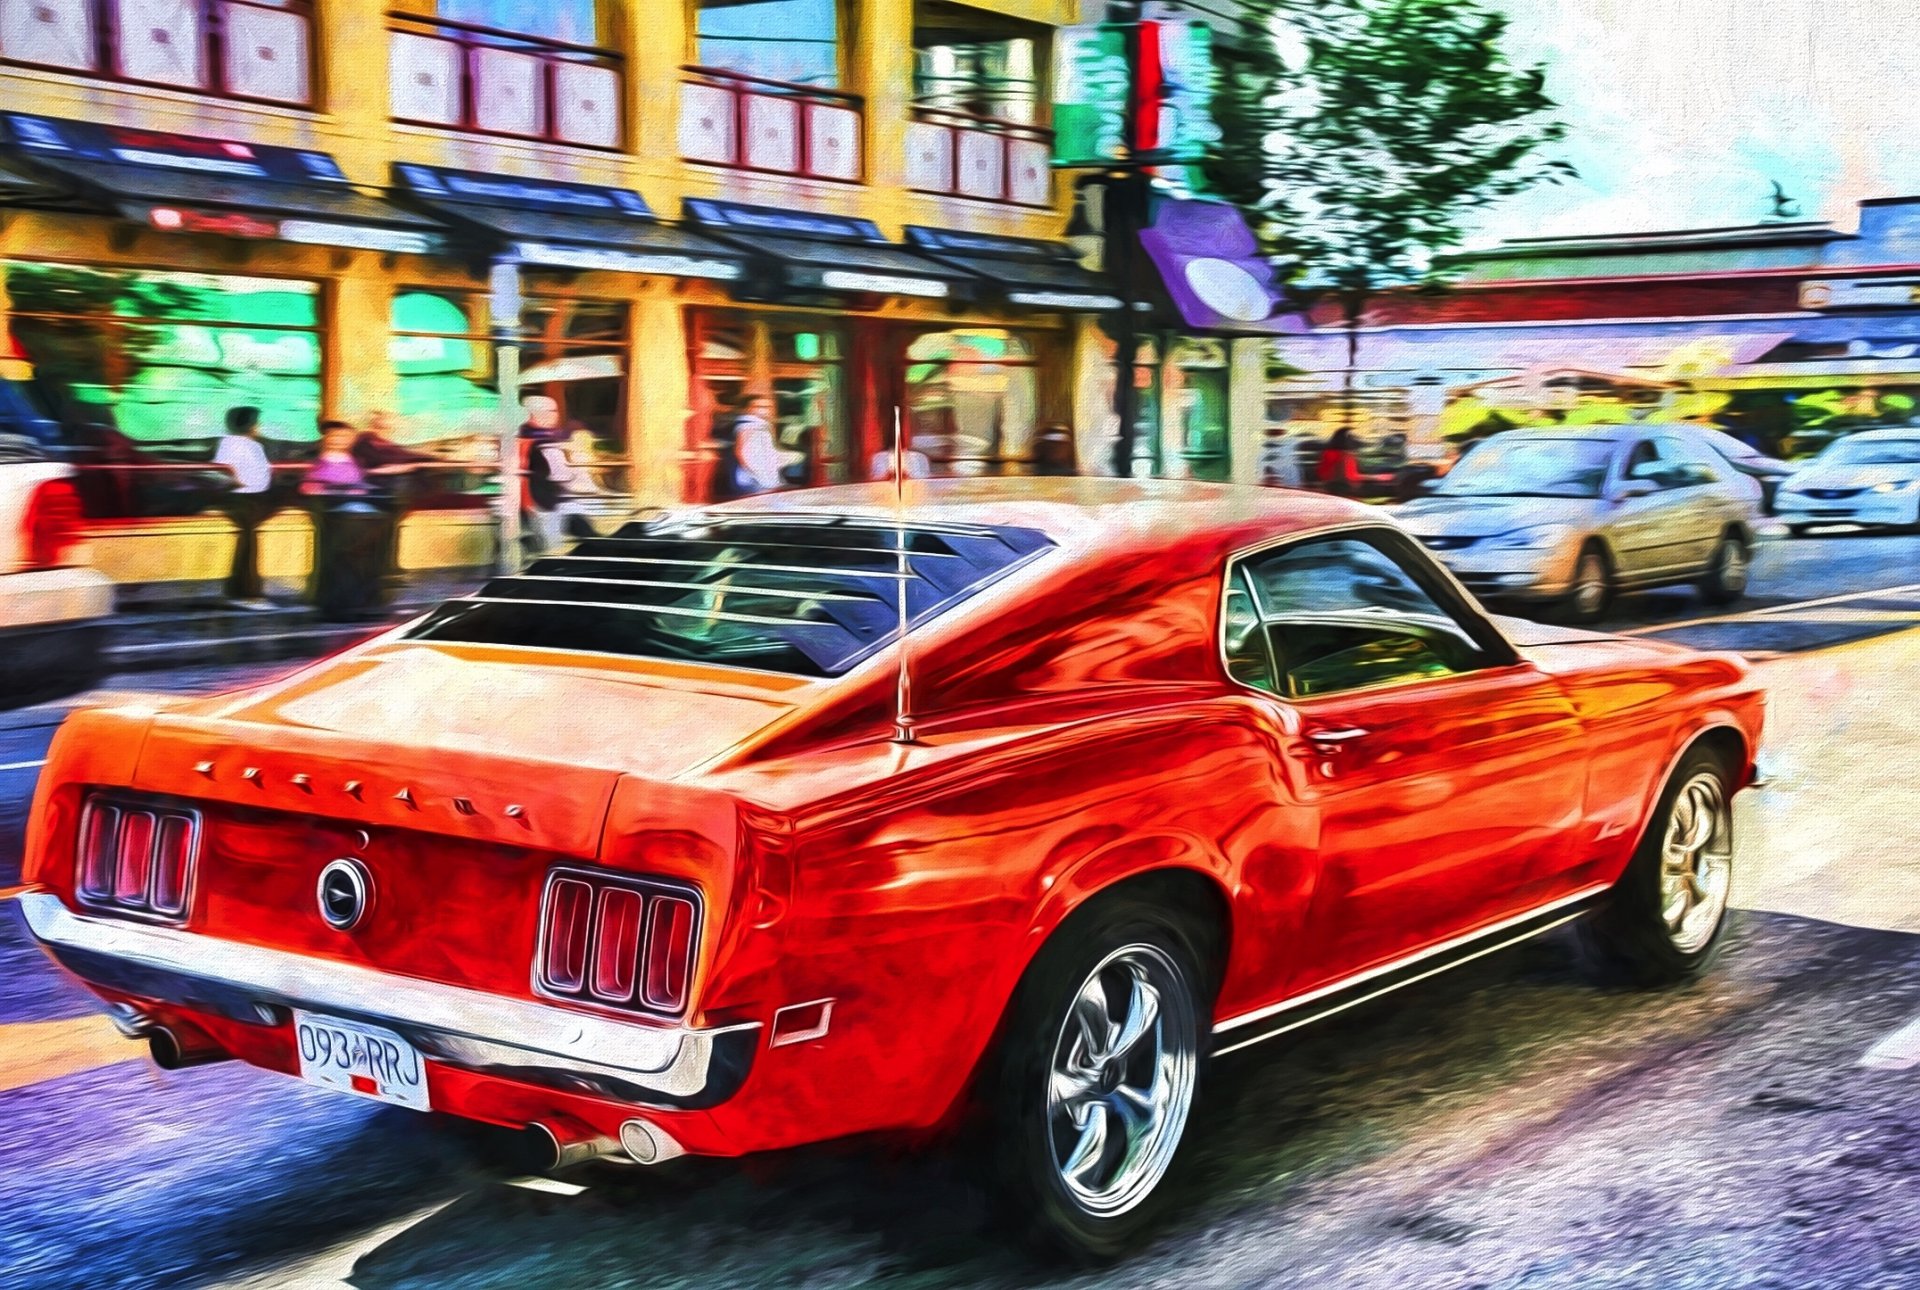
point(961, 154)
point(486, 81)
point(751, 123)
point(257, 50)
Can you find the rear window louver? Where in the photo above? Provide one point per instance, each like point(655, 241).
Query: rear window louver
point(806, 595)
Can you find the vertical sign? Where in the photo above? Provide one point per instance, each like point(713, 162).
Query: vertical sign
point(1090, 93)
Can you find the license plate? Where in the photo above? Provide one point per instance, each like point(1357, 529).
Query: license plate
point(354, 1057)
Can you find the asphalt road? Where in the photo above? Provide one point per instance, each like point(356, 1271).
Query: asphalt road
point(1506, 1125)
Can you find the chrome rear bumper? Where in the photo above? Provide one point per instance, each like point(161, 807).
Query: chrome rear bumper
point(655, 1065)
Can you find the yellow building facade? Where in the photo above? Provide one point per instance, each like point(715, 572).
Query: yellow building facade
point(916, 87)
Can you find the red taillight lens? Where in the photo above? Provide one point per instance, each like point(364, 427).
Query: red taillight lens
point(171, 857)
point(616, 946)
point(52, 524)
point(137, 859)
point(618, 940)
point(669, 953)
point(569, 926)
point(98, 852)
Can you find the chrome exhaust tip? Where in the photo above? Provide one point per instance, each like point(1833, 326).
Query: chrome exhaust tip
point(563, 1144)
point(171, 1053)
point(649, 1144)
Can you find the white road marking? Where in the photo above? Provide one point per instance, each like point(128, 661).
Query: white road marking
point(1898, 1051)
point(534, 1182)
point(1774, 611)
point(332, 1268)
point(23, 765)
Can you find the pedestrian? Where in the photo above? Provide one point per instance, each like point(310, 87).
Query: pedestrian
point(247, 504)
point(542, 474)
point(1338, 470)
point(757, 455)
point(881, 464)
point(1053, 452)
point(337, 469)
point(375, 449)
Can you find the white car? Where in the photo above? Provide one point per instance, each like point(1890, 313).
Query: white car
point(54, 607)
point(1870, 478)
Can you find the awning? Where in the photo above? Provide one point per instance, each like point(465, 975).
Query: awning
point(1041, 275)
point(806, 251)
point(185, 184)
point(1212, 267)
point(566, 225)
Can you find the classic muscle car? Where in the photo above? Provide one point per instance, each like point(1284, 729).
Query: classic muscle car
point(658, 848)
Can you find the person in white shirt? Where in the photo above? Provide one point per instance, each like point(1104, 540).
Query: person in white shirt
point(248, 504)
point(758, 456)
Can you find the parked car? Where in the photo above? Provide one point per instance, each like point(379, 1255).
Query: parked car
point(54, 607)
point(1569, 517)
point(1768, 472)
point(643, 850)
point(1870, 478)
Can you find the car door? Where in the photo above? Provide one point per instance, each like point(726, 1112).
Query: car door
point(1644, 528)
point(1447, 776)
point(1698, 503)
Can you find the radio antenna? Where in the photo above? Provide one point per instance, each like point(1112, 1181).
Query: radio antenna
point(903, 681)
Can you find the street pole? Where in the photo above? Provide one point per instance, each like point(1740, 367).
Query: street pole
point(504, 305)
point(1123, 213)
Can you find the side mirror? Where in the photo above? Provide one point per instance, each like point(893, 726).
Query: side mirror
point(1631, 489)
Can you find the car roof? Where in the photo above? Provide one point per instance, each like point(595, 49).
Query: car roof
point(1600, 433)
point(1083, 514)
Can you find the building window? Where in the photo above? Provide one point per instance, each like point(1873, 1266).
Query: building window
point(493, 67)
point(978, 107)
point(252, 49)
point(571, 351)
point(797, 362)
point(972, 400)
point(796, 41)
point(138, 369)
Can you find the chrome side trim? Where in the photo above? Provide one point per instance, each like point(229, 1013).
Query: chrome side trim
point(1447, 947)
point(468, 1027)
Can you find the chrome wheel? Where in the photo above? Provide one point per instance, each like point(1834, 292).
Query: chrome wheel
point(1589, 586)
point(1121, 1080)
point(1696, 863)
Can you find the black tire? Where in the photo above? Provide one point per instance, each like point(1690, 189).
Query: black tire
point(1725, 580)
point(1029, 1130)
point(1630, 939)
point(1592, 592)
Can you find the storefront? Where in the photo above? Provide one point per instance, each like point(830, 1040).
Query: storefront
point(799, 362)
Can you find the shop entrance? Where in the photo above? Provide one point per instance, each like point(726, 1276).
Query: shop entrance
point(799, 363)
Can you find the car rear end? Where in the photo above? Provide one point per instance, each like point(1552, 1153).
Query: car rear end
point(54, 607)
point(465, 933)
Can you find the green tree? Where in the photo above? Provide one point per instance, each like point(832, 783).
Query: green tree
point(1367, 135)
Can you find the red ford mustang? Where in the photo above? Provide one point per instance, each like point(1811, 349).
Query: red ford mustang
point(631, 850)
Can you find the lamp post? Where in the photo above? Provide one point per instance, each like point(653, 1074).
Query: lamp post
point(503, 309)
point(1123, 212)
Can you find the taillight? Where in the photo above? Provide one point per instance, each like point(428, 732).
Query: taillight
point(52, 526)
point(616, 940)
point(669, 953)
point(137, 859)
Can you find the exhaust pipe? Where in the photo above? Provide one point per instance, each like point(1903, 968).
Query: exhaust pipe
point(562, 1143)
point(172, 1052)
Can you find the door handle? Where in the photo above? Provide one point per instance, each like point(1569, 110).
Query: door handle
point(1328, 741)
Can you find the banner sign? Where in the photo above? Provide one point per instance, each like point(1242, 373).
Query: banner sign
point(768, 219)
point(442, 184)
point(1176, 106)
point(1090, 95)
point(54, 139)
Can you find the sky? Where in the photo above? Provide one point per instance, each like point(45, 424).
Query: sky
point(1682, 112)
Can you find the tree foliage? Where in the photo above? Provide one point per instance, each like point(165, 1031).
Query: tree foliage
point(1366, 135)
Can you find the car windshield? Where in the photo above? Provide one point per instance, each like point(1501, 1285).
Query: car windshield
point(1530, 466)
point(1873, 452)
point(810, 595)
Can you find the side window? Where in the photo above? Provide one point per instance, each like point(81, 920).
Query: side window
point(1644, 463)
point(1249, 660)
point(1342, 614)
point(1691, 464)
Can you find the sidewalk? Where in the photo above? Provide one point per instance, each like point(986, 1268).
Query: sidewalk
point(1835, 834)
point(199, 627)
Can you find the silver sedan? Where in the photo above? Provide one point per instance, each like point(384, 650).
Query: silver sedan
point(1570, 516)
